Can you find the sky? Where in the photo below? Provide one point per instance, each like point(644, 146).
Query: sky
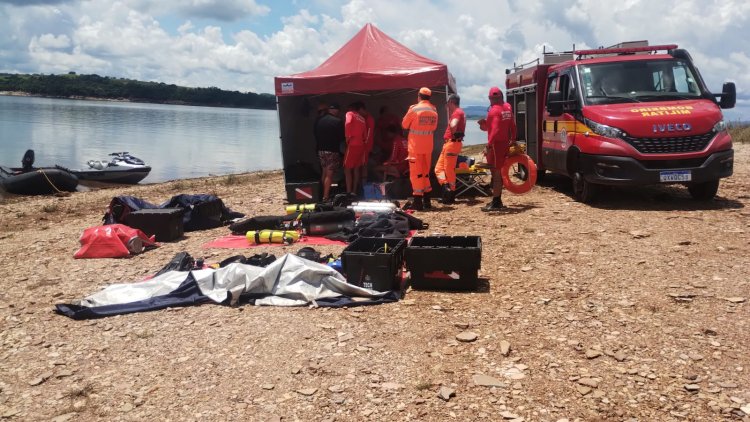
point(242, 44)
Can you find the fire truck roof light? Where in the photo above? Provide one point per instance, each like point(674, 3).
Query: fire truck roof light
point(627, 50)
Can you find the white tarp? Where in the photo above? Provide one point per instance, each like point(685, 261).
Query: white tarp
point(288, 281)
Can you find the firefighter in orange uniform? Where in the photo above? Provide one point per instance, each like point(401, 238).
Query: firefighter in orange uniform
point(445, 168)
point(421, 121)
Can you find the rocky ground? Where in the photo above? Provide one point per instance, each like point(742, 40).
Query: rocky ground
point(635, 308)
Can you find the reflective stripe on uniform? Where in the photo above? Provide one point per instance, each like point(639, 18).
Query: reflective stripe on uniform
point(422, 132)
point(423, 109)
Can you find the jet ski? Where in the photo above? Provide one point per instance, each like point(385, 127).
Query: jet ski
point(122, 168)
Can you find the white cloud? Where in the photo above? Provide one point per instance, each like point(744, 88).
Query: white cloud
point(52, 42)
point(222, 10)
point(478, 42)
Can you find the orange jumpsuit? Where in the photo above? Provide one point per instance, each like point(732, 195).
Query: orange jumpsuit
point(421, 121)
point(445, 168)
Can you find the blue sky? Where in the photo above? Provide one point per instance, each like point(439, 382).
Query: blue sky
point(242, 44)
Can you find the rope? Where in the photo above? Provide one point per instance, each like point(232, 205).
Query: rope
point(49, 181)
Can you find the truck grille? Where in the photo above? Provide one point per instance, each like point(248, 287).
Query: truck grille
point(670, 145)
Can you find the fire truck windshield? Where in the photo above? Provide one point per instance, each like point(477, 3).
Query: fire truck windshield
point(637, 81)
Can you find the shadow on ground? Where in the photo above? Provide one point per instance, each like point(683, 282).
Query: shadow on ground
point(644, 198)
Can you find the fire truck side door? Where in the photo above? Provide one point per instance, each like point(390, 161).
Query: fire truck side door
point(567, 125)
point(553, 156)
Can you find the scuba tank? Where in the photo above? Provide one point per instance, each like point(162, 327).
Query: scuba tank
point(322, 229)
point(272, 236)
point(373, 207)
point(292, 209)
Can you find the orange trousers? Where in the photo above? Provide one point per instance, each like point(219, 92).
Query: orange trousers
point(445, 168)
point(419, 173)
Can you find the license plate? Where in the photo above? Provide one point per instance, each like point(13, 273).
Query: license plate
point(675, 176)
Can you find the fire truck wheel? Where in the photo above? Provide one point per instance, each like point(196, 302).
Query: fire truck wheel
point(584, 191)
point(704, 191)
point(541, 174)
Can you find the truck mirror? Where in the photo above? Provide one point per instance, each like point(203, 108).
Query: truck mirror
point(555, 103)
point(728, 95)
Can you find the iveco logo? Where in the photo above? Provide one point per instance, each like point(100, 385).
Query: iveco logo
point(673, 127)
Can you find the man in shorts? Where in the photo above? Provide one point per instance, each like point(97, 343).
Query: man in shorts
point(329, 134)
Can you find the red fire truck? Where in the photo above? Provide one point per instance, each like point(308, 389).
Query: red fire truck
point(626, 115)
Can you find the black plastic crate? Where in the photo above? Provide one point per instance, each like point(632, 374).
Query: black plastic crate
point(444, 262)
point(303, 192)
point(374, 263)
point(165, 223)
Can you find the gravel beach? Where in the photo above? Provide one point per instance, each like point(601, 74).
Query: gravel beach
point(635, 308)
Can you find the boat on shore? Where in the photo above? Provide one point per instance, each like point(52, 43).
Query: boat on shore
point(30, 180)
point(37, 181)
point(123, 168)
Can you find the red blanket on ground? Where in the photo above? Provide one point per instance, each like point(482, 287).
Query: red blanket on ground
point(240, 242)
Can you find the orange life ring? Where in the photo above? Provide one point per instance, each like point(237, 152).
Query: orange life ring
point(518, 168)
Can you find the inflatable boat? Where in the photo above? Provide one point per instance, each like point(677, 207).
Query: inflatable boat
point(30, 180)
point(122, 168)
point(37, 181)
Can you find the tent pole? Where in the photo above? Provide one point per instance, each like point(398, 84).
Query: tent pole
point(281, 140)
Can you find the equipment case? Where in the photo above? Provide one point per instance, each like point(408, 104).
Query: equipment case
point(165, 223)
point(444, 262)
point(303, 192)
point(374, 263)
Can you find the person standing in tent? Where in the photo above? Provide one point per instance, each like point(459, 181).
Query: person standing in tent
point(369, 139)
point(501, 131)
point(329, 135)
point(445, 168)
point(382, 139)
point(355, 129)
point(421, 121)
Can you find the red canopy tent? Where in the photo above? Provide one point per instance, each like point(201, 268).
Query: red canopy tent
point(372, 67)
point(370, 61)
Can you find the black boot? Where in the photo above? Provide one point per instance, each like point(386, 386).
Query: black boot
point(417, 204)
point(427, 203)
point(447, 195)
point(495, 205)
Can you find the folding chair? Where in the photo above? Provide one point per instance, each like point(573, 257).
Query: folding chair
point(472, 180)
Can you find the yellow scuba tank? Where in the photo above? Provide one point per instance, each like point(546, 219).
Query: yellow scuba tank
point(272, 236)
point(291, 209)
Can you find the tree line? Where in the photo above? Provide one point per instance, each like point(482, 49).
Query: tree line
point(72, 85)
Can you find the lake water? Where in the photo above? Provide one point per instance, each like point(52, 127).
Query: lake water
point(177, 141)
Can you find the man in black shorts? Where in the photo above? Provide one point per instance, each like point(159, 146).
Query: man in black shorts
point(329, 135)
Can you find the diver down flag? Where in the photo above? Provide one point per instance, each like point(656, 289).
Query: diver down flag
point(303, 193)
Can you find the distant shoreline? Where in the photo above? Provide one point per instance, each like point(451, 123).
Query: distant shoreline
point(118, 100)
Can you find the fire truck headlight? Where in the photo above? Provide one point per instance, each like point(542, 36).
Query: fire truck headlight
point(604, 130)
point(721, 126)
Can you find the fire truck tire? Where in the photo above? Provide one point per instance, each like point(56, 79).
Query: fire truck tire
point(541, 175)
point(584, 191)
point(704, 191)
point(518, 173)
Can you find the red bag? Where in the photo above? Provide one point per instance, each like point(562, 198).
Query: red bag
point(112, 241)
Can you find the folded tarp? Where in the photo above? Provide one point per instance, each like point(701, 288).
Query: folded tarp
point(288, 281)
